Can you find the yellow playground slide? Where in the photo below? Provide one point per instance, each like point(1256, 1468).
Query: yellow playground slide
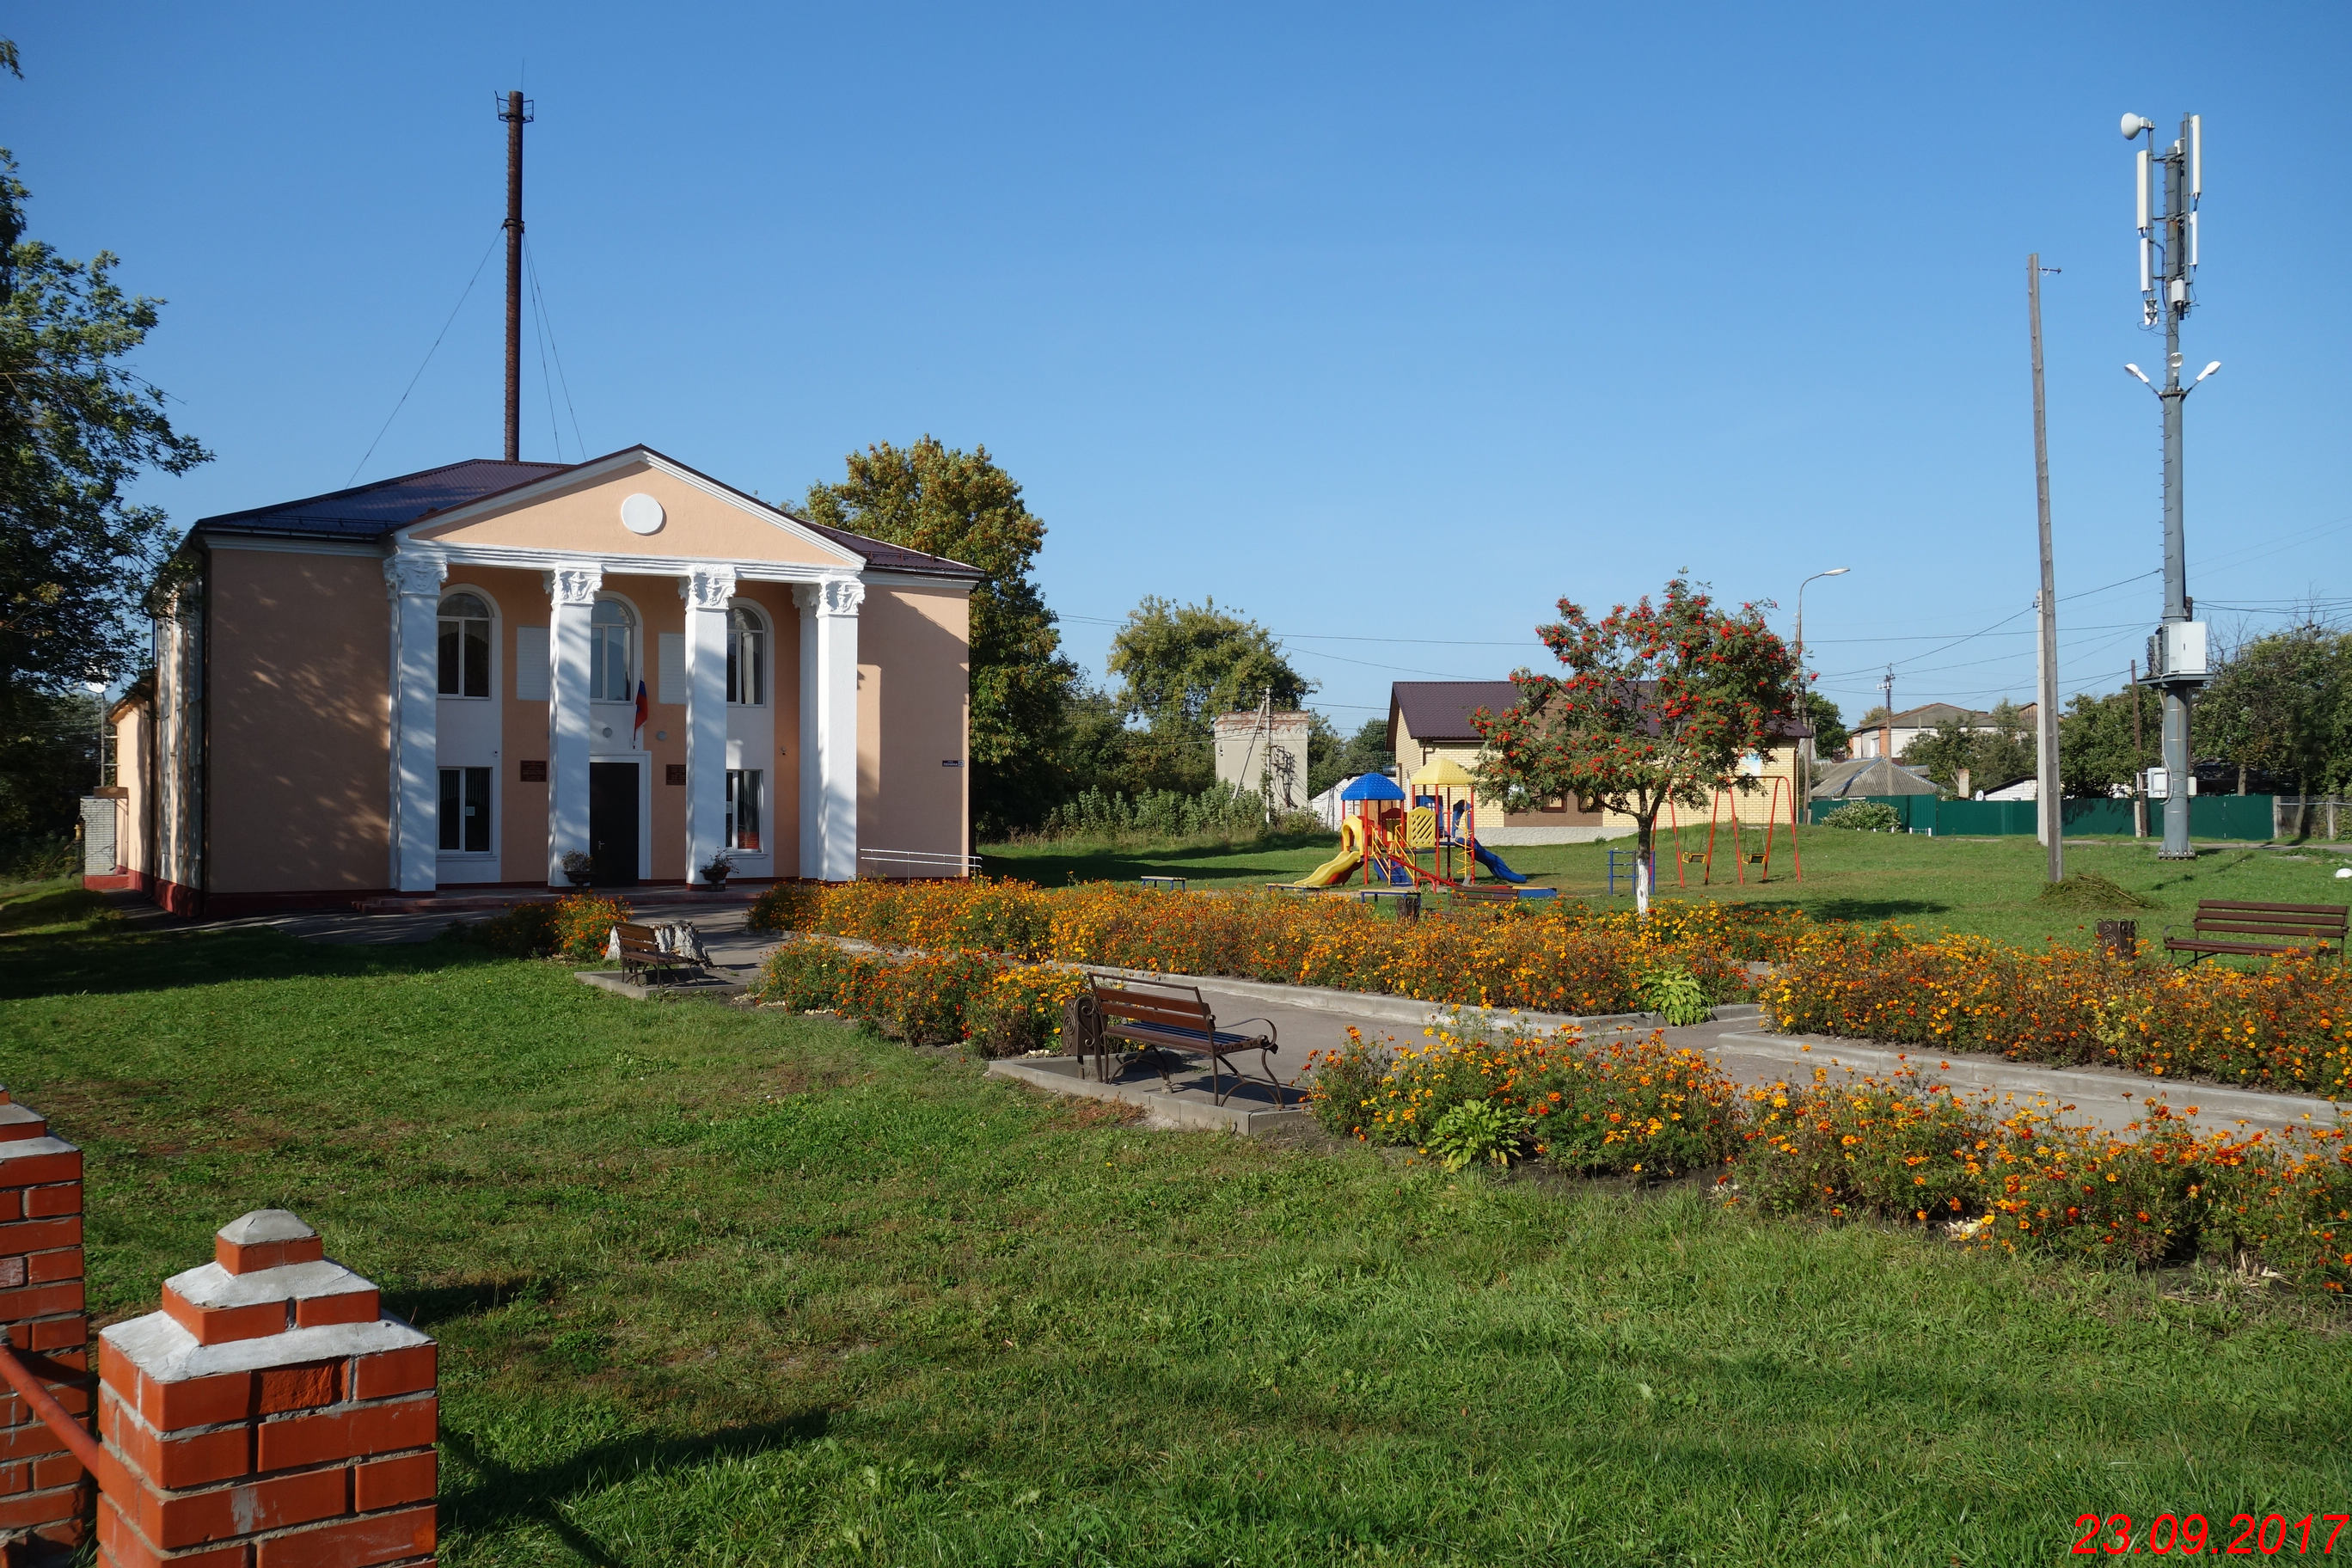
point(1337, 868)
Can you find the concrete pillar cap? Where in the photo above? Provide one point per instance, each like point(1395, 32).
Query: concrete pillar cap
point(264, 1224)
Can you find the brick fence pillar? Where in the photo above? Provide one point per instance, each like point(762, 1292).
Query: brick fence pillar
point(43, 1490)
point(271, 1416)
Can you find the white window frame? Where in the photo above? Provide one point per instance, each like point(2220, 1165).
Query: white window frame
point(760, 667)
point(633, 648)
point(490, 805)
point(734, 836)
point(489, 644)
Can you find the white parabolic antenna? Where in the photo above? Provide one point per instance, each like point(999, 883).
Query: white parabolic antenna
point(640, 513)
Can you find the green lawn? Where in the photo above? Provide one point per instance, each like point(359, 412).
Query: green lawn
point(1985, 885)
point(728, 1288)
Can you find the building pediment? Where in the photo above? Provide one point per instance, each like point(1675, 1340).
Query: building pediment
point(635, 503)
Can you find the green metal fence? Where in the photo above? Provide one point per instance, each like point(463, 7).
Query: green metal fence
point(2240, 816)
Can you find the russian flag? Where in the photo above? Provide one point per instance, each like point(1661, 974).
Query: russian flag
point(640, 736)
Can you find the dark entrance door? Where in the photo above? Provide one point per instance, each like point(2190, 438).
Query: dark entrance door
point(613, 823)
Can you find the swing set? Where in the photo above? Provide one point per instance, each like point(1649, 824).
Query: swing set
point(1741, 856)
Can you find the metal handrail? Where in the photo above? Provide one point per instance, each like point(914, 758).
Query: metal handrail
point(43, 1403)
point(963, 864)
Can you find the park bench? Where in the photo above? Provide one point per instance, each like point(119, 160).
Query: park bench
point(1165, 884)
point(1501, 894)
point(2223, 926)
point(643, 952)
point(1162, 1017)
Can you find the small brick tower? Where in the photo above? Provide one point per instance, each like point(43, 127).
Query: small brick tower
point(271, 1416)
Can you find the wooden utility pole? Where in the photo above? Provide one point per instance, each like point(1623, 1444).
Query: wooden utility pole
point(2045, 715)
point(517, 114)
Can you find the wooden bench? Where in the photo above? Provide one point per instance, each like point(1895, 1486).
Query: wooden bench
point(642, 953)
point(1161, 1016)
point(2222, 926)
point(1163, 884)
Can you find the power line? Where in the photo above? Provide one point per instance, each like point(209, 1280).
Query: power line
point(413, 380)
point(555, 346)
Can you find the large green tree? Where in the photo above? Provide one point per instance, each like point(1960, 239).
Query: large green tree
point(77, 425)
point(2096, 747)
point(2280, 705)
point(933, 498)
point(1178, 665)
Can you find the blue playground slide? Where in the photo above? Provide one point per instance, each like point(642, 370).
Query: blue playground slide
point(1493, 863)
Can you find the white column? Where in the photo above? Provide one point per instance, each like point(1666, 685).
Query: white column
point(413, 579)
point(836, 702)
point(808, 596)
point(572, 596)
point(706, 590)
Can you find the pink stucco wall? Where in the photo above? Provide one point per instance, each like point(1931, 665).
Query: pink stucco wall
point(299, 739)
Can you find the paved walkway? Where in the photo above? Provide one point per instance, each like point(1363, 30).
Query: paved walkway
point(1308, 1019)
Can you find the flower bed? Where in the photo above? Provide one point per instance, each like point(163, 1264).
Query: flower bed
point(1892, 1149)
point(578, 927)
point(2287, 1026)
point(1562, 956)
point(996, 1006)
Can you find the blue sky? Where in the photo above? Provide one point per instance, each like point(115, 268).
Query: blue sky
point(1389, 326)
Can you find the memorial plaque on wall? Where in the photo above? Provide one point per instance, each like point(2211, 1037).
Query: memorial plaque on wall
point(674, 773)
point(534, 772)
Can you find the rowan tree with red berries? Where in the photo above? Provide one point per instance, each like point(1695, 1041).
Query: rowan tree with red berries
point(1657, 703)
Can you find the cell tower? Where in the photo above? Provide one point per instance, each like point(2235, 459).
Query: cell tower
point(2167, 186)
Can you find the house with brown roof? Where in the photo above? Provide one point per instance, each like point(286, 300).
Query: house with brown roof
point(451, 681)
point(1431, 718)
point(1890, 734)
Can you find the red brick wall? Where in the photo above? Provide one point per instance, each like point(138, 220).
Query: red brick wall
point(270, 1416)
point(43, 1490)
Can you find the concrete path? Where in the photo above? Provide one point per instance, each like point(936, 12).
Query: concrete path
point(1308, 1018)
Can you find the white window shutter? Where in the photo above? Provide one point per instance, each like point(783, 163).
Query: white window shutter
point(531, 664)
point(672, 661)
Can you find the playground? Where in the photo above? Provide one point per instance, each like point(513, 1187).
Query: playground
point(1432, 843)
point(1988, 886)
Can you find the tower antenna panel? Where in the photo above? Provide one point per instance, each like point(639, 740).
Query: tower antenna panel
point(2139, 167)
point(2196, 157)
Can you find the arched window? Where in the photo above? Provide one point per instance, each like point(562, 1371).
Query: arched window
point(465, 647)
point(611, 642)
point(747, 657)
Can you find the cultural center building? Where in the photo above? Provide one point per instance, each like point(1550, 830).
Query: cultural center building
point(452, 680)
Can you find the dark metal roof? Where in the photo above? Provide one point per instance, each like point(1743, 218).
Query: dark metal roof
point(888, 557)
point(371, 510)
point(1438, 712)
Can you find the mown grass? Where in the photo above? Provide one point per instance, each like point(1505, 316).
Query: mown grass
point(728, 1288)
point(1986, 886)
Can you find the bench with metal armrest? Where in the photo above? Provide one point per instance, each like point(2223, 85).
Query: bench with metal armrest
point(1161, 1016)
point(2226, 926)
point(642, 953)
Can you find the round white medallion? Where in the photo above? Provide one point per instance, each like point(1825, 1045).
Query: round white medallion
point(640, 513)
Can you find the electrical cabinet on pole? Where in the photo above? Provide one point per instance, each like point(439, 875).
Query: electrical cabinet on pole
point(2167, 188)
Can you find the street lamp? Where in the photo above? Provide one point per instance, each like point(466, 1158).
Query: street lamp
point(1805, 745)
